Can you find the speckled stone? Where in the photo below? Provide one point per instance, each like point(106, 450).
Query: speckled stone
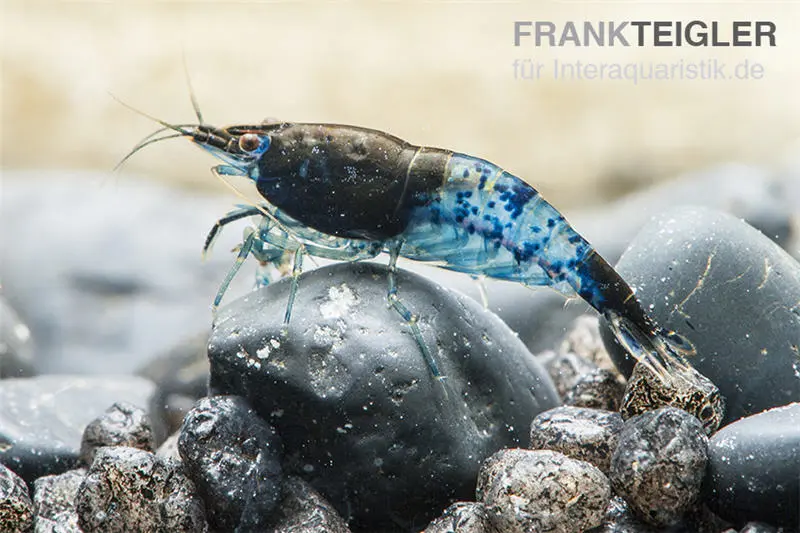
point(731, 291)
point(16, 508)
point(659, 464)
point(304, 510)
point(233, 456)
point(754, 467)
point(127, 489)
point(599, 389)
point(620, 519)
point(526, 491)
point(43, 418)
point(123, 424)
point(565, 369)
point(584, 340)
point(54, 501)
point(461, 517)
point(347, 388)
point(589, 435)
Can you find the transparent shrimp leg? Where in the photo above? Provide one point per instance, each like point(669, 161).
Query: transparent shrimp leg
point(244, 250)
point(232, 216)
point(297, 269)
point(410, 318)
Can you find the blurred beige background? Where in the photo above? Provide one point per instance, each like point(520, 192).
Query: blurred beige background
point(434, 73)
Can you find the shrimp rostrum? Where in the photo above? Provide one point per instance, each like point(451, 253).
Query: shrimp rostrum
point(349, 193)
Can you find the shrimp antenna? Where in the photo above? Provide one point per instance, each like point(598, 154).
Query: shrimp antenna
point(175, 127)
point(192, 95)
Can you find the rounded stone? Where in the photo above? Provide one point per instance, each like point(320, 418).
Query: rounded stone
point(659, 464)
point(732, 292)
point(123, 424)
point(303, 510)
point(54, 502)
point(127, 489)
point(233, 457)
point(542, 490)
point(585, 434)
point(599, 389)
point(16, 508)
point(754, 467)
point(461, 517)
point(566, 369)
point(361, 416)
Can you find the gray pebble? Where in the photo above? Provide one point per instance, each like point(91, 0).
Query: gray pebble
point(123, 424)
point(758, 527)
point(127, 490)
point(659, 464)
point(303, 510)
point(234, 457)
point(696, 395)
point(620, 519)
point(54, 501)
point(599, 389)
point(541, 490)
point(584, 340)
point(16, 508)
point(565, 369)
point(461, 517)
point(585, 434)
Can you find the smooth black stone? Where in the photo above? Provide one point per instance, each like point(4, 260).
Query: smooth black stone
point(348, 390)
point(659, 465)
point(754, 468)
point(43, 418)
point(234, 458)
point(127, 489)
point(732, 292)
point(16, 508)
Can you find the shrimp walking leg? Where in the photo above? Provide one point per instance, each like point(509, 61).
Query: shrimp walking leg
point(410, 318)
point(232, 216)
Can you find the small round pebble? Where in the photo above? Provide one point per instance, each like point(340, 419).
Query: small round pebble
point(599, 389)
point(16, 508)
point(585, 434)
point(303, 510)
point(461, 517)
point(565, 369)
point(123, 424)
point(659, 464)
point(584, 340)
point(541, 490)
point(54, 502)
point(127, 489)
point(234, 457)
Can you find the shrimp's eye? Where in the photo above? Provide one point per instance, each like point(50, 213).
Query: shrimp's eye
point(249, 142)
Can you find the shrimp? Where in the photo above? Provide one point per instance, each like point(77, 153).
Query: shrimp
point(349, 193)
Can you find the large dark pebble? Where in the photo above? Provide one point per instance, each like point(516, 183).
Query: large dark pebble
point(659, 464)
point(754, 468)
point(43, 418)
point(586, 434)
point(123, 424)
point(16, 507)
point(303, 510)
point(234, 458)
point(541, 490)
point(733, 292)
point(54, 502)
point(127, 489)
point(347, 388)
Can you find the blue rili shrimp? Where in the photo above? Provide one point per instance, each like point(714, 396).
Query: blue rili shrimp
point(349, 193)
